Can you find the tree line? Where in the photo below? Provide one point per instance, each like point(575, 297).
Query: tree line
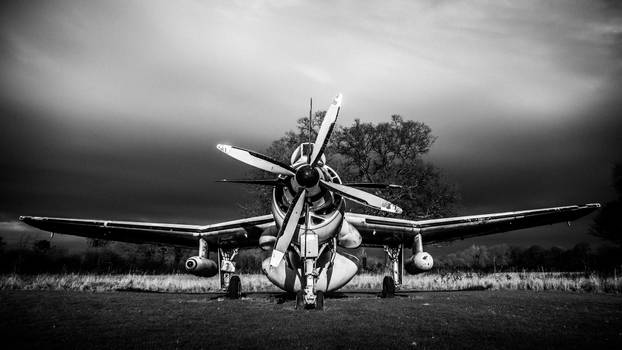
point(113, 257)
point(497, 258)
point(42, 257)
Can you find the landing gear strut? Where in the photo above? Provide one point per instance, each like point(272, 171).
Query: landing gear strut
point(229, 282)
point(393, 282)
point(309, 253)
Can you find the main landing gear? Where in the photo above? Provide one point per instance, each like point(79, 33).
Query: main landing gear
point(229, 281)
point(391, 283)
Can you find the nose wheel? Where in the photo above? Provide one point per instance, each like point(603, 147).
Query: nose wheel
point(319, 301)
point(318, 305)
point(300, 301)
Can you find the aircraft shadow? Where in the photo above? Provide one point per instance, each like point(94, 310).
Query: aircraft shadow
point(283, 297)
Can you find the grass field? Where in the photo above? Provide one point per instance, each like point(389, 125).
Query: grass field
point(182, 283)
point(501, 319)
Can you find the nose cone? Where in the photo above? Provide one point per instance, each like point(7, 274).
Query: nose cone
point(307, 176)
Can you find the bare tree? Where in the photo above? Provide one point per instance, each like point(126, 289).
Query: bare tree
point(390, 152)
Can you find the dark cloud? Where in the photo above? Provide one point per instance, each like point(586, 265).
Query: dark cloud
point(93, 170)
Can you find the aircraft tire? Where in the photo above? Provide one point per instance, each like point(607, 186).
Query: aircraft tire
point(300, 301)
point(319, 301)
point(235, 288)
point(388, 287)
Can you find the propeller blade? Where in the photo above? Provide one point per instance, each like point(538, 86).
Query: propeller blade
point(325, 130)
point(253, 182)
point(372, 185)
point(289, 227)
point(362, 197)
point(257, 160)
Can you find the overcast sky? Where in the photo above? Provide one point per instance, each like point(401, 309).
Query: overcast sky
point(113, 109)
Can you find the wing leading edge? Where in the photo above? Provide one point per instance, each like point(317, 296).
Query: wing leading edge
point(240, 233)
point(377, 230)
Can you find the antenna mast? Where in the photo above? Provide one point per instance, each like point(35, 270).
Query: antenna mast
point(310, 120)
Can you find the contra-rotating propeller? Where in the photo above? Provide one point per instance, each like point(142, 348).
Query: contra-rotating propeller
point(306, 177)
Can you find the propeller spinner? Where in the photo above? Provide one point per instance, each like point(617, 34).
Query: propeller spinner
point(306, 177)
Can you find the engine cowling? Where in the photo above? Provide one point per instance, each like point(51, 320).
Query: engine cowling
point(349, 237)
point(268, 238)
point(201, 266)
point(419, 263)
point(289, 278)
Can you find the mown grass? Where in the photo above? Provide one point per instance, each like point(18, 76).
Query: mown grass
point(183, 283)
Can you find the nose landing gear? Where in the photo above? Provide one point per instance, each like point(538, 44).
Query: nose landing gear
point(309, 297)
point(317, 304)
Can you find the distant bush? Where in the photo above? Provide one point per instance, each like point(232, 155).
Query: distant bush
point(502, 257)
point(122, 258)
point(113, 257)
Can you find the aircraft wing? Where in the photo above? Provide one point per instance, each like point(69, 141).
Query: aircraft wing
point(239, 233)
point(378, 230)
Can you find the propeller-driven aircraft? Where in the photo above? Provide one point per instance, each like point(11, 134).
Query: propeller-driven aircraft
point(307, 225)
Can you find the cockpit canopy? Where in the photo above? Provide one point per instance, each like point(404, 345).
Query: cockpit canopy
point(302, 153)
